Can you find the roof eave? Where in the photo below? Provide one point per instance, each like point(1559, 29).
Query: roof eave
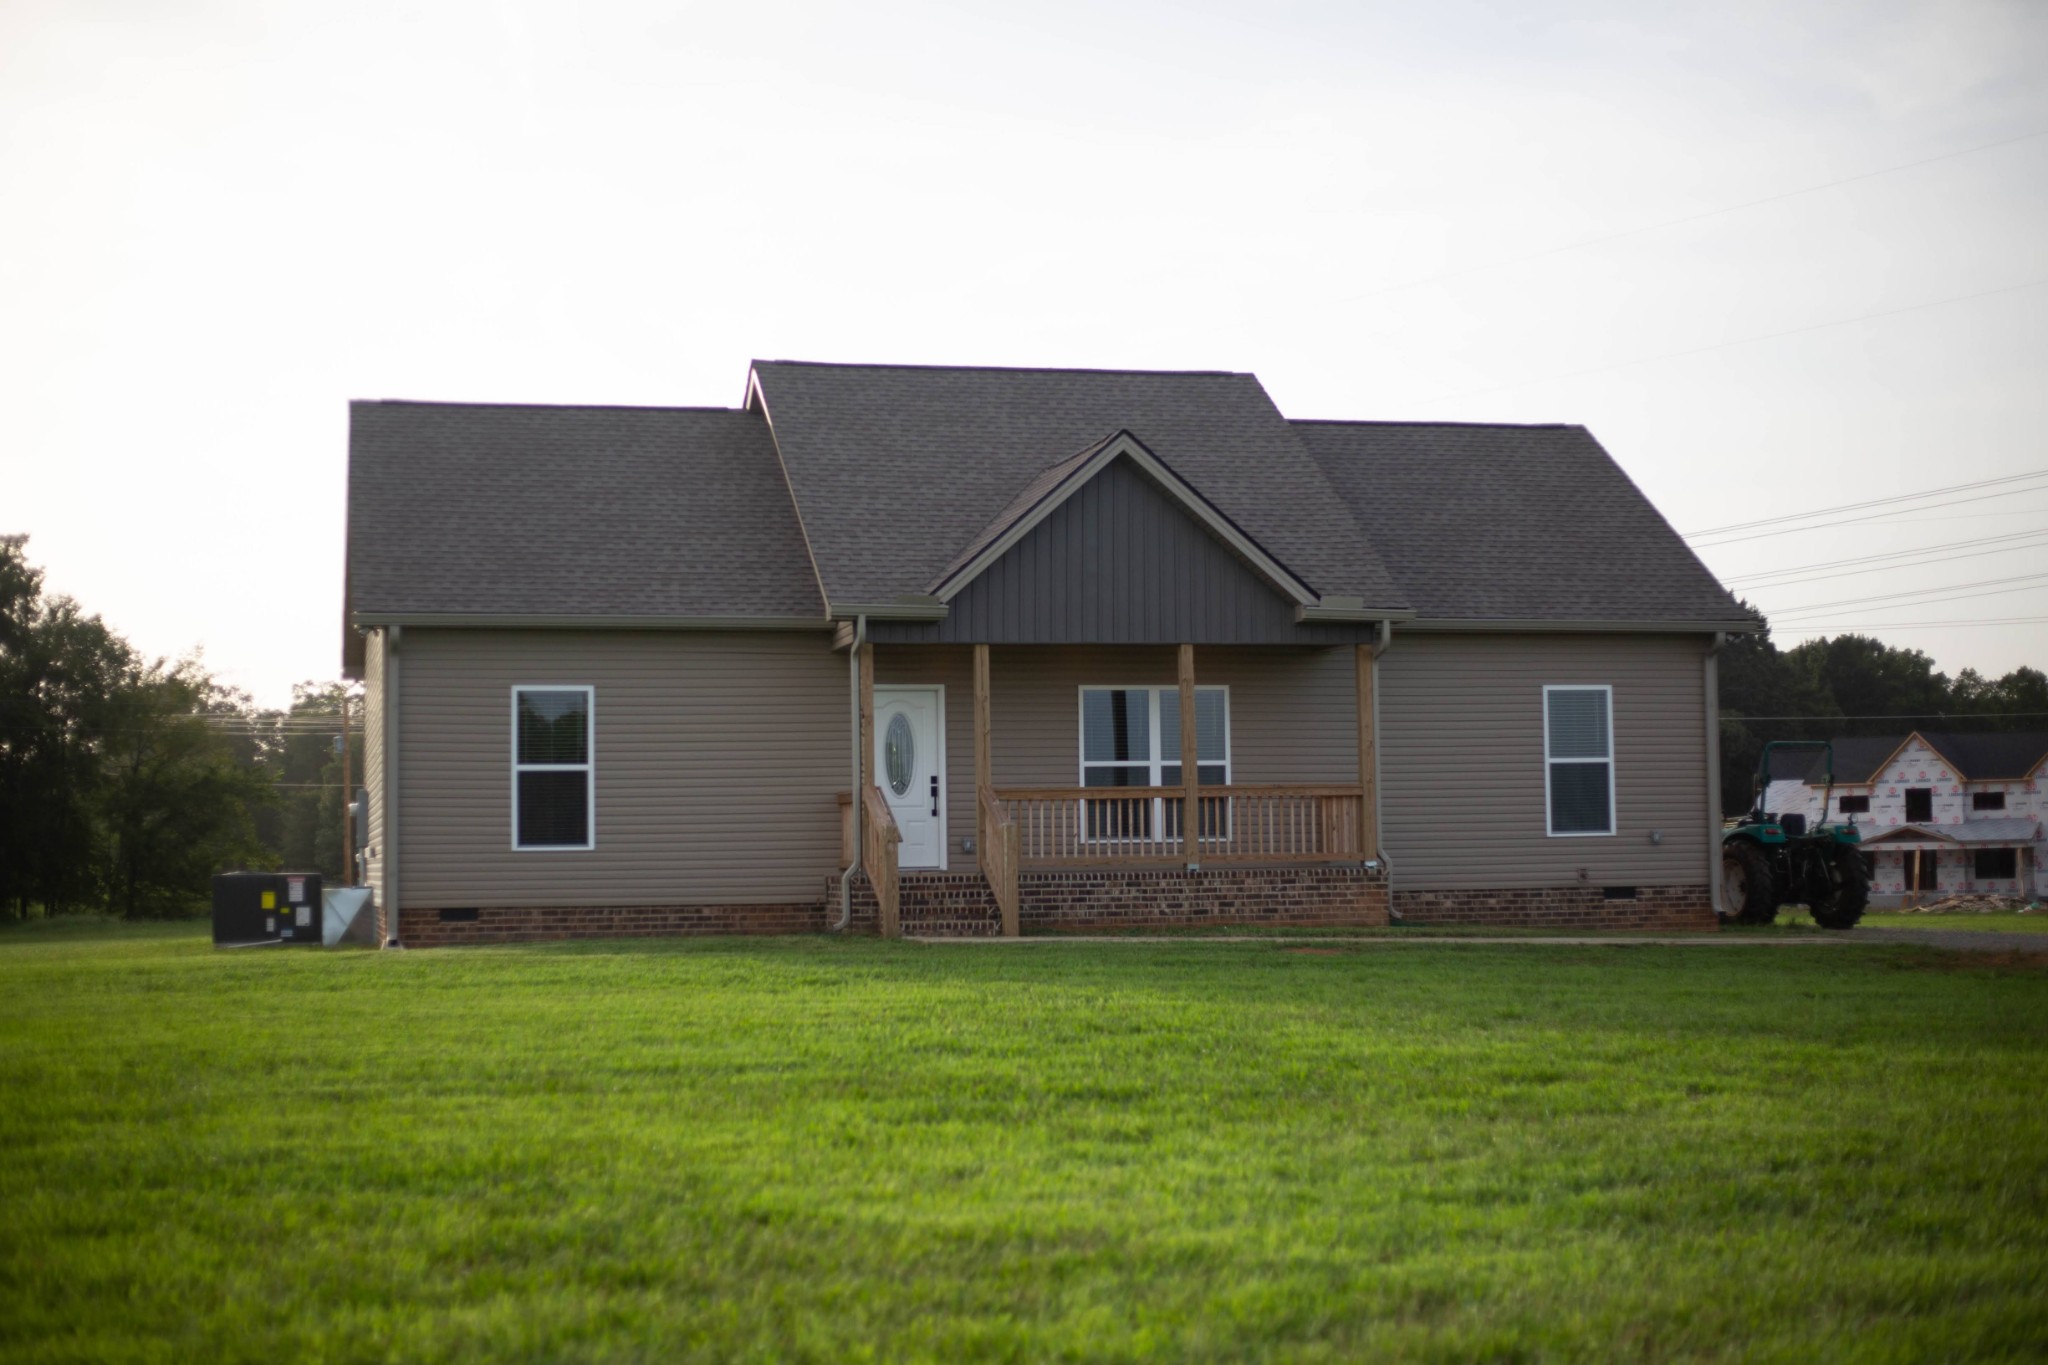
point(477, 620)
point(1582, 625)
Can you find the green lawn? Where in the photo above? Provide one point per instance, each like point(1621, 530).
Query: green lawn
point(2000, 921)
point(819, 1150)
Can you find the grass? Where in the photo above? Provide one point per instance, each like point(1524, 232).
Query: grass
point(811, 1149)
point(2009, 922)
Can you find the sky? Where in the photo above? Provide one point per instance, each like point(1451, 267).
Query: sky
point(221, 222)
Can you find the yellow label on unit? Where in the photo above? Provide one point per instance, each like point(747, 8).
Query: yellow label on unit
point(270, 900)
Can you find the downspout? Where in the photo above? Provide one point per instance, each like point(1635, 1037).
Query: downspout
point(393, 638)
point(1383, 636)
point(1711, 686)
point(860, 631)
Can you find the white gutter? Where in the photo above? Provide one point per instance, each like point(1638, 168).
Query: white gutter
point(392, 642)
point(1382, 638)
point(860, 631)
point(1711, 685)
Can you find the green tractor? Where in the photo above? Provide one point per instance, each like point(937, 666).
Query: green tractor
point(1768, 860)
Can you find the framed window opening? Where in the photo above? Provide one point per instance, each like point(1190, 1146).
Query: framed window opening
point(554, 767)
point(1852, 805)
point(1987, 800)
point(1996, 865)
point(1919, 805)
point(1130, 737)
point(1578, 760)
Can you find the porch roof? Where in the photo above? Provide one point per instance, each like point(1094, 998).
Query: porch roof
point(2015, 830)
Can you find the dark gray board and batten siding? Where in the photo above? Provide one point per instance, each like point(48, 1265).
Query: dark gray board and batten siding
point(1461, 760)
point(1119, 562)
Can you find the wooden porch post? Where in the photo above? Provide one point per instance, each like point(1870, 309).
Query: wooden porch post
point(1368, 761)
point(984, 773)
point(1190, 774)
point(867, 716)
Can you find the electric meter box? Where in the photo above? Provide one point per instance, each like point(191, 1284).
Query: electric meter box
point(266, 907)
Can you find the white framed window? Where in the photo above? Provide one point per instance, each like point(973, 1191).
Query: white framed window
point(1578, 760)
point(554, 767)
point(1130, 737)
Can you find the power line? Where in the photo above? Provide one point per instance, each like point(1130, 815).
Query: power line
point(2022, 582)
point(1739, 341)
point(1873, 565)
point(1867, 516)
point(1795, 628)
point(1689, 218)
point(1859, 506)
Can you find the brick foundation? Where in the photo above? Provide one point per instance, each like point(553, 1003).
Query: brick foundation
point(506, 924)
point(960, 905)
point(1561, 907)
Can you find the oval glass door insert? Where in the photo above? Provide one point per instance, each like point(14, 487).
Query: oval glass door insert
point(899, 753)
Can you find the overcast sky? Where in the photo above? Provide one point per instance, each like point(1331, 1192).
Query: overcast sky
point(220, 222)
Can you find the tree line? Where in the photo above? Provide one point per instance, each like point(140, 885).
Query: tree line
point(127, 782)
point(1850, 685)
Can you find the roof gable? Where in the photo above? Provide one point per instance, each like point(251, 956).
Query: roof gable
point(1051, 491)
point(898, 470)
point(1119, 558)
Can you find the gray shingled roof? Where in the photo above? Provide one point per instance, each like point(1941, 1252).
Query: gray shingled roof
point(1997, 756)
point(1514, 523)
point(560, 511)
point(898, 468)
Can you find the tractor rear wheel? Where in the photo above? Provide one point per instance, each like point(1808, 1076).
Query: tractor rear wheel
point(1747, 895)
point(1851, 884)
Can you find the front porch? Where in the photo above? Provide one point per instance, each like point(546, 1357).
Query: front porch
point(1118, 847)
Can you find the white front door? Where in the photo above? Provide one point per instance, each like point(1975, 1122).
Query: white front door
point(910, 768)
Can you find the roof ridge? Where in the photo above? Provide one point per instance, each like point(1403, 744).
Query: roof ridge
point(997, 369)
point(539, 407)
point(1394, 422)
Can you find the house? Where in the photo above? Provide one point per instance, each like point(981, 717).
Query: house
point(922, 649)
point(1942, 812)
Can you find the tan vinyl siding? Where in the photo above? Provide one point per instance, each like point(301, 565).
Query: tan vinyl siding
point(1293, 711)
point(373, 760)
point(1461, 743)
point(719, 755)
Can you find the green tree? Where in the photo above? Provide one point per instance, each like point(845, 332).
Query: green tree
point(60, 671)
point(178, 802)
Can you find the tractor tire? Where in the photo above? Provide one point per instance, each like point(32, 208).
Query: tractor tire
point(1747, 893)
point(1851, 878)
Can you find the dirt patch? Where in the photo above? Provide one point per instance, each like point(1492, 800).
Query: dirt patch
point(1973, 905)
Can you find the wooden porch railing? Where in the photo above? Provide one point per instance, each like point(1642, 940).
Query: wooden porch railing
point(1236, 824)
point(999, 856)
point(878, 840)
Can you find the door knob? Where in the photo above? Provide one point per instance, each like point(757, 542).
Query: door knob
point(935, 794)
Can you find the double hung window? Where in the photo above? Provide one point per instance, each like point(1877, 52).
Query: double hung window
point(554, 777)
point(1130, 737)
point(1578, 759)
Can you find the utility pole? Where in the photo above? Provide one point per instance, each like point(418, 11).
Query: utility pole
point(348, 833)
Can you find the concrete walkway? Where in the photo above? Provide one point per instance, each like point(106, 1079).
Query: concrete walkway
point(1417, 940)
point(1958, 940)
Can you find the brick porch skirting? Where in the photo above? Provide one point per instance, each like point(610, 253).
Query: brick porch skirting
point(960, 905)
point(1562, 907)
point(1095, 899)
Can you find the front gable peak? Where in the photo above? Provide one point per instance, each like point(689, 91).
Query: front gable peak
point(1060, 482)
